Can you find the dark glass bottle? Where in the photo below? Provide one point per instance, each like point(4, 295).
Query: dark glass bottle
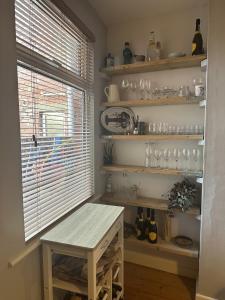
point(140, 224)
point(127, 54)
point(147, 223)
point(197, 43)
point(152, 229)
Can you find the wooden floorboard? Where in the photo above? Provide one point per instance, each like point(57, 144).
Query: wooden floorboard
point(142, 283)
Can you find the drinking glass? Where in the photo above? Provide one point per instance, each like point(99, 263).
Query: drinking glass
point(179, 162)
point(175, 158)
point(199, 160)
point(141, 87)
point(158, 155)
point(148, 87)
point(124, 84)
point(165, 158)
point(170, 159)
point(151, 157)
point(194, 166)
point(185, 159)
point(147, 154)
point(165, 128)
point(154, 128)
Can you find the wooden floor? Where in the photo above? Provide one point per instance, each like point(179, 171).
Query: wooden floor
point(143, 283)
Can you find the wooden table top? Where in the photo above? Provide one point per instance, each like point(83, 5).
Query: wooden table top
point(86, 227)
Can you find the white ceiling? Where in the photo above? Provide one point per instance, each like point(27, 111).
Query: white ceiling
point(119, 11)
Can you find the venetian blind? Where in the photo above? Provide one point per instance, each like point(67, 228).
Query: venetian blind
point(55, 78)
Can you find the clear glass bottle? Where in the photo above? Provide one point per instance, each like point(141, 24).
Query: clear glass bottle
point(152, 51)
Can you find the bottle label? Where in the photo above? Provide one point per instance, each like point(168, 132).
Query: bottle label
point(194, 45)
point(152, 236)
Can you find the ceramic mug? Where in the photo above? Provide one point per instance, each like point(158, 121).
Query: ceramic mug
point(112, 93)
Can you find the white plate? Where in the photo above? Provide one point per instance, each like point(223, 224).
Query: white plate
point(176, 54)
point(118, 119)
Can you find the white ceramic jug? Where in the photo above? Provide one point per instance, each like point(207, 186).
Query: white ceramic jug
point(112, 93)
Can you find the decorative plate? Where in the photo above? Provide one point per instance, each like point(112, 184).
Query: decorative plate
point(118, 120)
point(176, 54)
point(183, 241)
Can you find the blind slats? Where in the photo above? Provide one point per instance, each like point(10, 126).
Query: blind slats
point(41, 30)
point(56, 113)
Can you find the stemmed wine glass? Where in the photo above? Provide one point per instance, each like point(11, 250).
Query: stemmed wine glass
point(158, 155)
point(125, 84)
point(142, 88)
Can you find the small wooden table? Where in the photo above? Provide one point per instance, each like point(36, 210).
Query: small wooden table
point(86, 233)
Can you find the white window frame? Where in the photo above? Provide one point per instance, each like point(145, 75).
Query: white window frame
point(33, 61)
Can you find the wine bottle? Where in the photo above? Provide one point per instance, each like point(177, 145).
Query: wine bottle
point(147, 223)
point(140, 224)
point(152, 229)
point(197, 43)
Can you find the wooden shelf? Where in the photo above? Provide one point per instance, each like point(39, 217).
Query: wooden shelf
point(79, 288)
point(132, 243)
point(160, 204)
point(155, 137)
point(159, 65)
point(144, 170)
point(153, 102)
point(69, 286)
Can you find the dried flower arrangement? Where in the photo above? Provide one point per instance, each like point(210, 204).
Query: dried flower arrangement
point(183, 195)
point(108, 153)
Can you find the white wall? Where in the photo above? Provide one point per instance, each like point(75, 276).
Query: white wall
point(175, 31)
point(212, 259)
point(23, 282)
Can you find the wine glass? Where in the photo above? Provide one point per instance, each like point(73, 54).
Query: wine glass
point(195, 160)
point(147, 154)
point(151, 157)
point(175, 158)
point(148, 89)
point(166, 158)
point(124, 83)
point(142, 88)
point(184, 156)
point(133, 86)
point(158, 155)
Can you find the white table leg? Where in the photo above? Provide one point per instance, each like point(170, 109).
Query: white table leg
point(47, 267)
point(91, 276)
point(121, 242)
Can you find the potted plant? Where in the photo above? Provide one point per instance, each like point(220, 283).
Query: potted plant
point(183, 195)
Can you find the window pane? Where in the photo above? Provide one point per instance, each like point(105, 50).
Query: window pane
point(56, 148)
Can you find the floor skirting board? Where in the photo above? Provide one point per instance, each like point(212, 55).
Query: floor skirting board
point(202, 297)
point(183, 266)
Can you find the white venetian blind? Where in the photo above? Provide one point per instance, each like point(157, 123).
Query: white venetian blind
point(56, 116)
point(41, 28)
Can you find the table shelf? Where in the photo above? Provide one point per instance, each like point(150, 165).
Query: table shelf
point(71, 287)
point(158, 65)
point(145, 170)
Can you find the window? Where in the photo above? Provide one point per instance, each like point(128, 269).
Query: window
point(55, 79)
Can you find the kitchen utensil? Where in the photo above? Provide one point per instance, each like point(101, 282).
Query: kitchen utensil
point(112, 93)
point(118, 120)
